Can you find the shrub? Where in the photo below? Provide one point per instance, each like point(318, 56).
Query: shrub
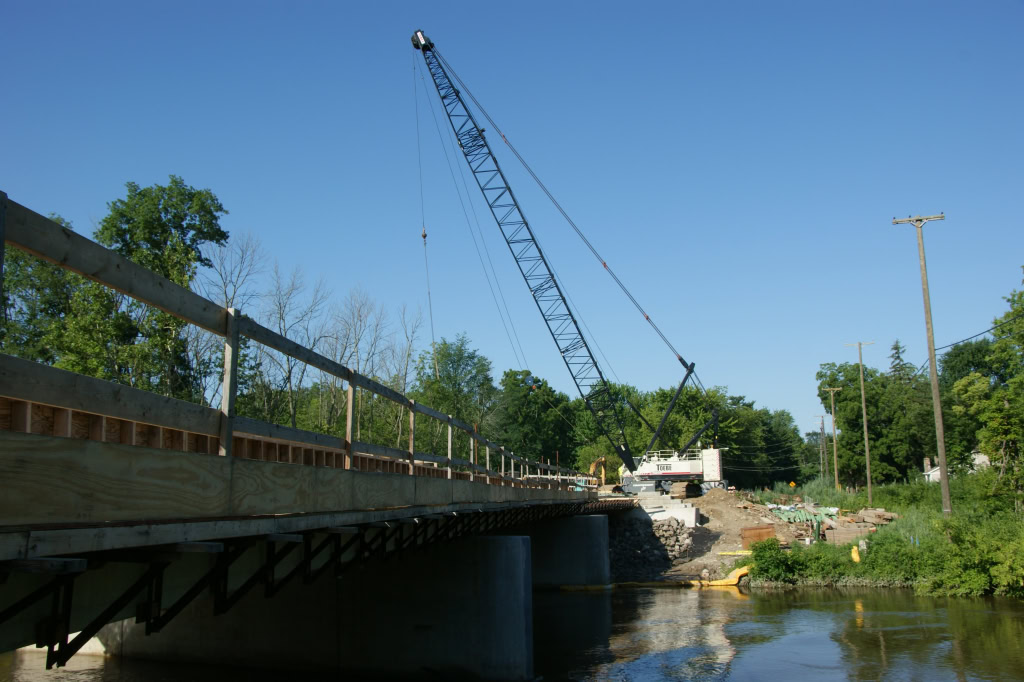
point(771, 562)
point(824, 562)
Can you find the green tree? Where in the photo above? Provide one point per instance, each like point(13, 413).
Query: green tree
point(531, 418)
point(37, 299)
point(454, 379)
point(997, 401)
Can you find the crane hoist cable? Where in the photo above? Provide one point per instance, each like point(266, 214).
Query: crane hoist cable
point(540, 278)
point(557, 205)
point(423, 220)
point(531, 261)
point(476, 245)
point(690, 371)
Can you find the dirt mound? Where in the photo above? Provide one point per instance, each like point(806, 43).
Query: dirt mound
point(726, 515)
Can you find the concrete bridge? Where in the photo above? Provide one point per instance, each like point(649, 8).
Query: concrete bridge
point(142, 525)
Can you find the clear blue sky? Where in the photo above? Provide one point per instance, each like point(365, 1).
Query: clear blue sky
point(738, 164)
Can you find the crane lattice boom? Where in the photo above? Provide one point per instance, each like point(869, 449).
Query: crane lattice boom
point(540, 278)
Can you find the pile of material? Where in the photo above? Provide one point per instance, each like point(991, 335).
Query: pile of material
point(802, 517)
point(849, 527)
point(641, 549)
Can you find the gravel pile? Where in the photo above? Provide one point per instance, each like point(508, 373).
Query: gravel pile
point(641, 549)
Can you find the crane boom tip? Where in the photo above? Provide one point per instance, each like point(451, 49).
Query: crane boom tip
point(420, 41)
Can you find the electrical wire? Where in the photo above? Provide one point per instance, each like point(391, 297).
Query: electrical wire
point(1005, 322)
point(969, 338)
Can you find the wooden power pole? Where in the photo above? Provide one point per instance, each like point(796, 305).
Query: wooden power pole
point(835, 451)
point(824, 445)
point(864, 410)
point(940, 436)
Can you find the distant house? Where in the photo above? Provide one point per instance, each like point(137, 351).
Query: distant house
point(931, 473)
point(979, 461)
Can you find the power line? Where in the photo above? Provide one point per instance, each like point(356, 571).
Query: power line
point(1015, 317)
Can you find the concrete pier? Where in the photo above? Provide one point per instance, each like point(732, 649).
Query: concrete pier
point(460, 610)
point(571, 552)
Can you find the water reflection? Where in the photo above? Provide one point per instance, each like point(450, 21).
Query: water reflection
point(704, 635)
point(820, 635)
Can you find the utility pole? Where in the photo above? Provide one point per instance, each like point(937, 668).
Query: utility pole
point(822, 452)
point(940, 436)
point(864, 410)
point(824, 445)
point(835, 451)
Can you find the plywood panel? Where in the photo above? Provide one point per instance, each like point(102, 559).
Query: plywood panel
point(51, 480)
point(381, 491)
point(271, 488)
point(333, 489)
point(432, 491)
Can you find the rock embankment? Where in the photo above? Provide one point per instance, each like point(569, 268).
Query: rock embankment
point(642, 549)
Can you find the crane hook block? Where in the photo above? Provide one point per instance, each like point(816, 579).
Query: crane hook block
point(421, 42)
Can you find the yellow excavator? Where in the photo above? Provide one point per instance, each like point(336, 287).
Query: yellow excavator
point(599, 462)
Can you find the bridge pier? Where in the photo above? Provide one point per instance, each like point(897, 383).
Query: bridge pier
point(462, 610)
point(571, 551)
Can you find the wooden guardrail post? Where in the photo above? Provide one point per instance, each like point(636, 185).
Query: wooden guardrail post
point(412, 438)
point(472, 454)
point(3, 232)
point(449, 467)
point(230, 386)
point(350, 399)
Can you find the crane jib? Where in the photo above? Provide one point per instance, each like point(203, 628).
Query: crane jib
point(533, 265)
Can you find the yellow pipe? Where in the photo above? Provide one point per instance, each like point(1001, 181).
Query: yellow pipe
point(732, 580)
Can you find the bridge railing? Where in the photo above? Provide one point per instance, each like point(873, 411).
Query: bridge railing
point(36, 398)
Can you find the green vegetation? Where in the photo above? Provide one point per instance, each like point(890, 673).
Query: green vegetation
point(982, 388)
point(55, 317)
point(978, 551)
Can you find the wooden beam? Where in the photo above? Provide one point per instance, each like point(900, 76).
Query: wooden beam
point(257, 332)
point(62, 422)
point(26, 380)
point(21, 414)
point(3, 242)
point(31, 232)
point(229, 387)
point(198, 547)
point(350, 400)
point(245, 426)
point(49, 565)
point(97, 427)
point(449, 467)
point(412, 439)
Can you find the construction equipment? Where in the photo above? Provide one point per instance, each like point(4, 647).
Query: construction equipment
point(533, 265)
point(599, 462)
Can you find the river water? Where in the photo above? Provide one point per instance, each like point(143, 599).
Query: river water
point(710, 634)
